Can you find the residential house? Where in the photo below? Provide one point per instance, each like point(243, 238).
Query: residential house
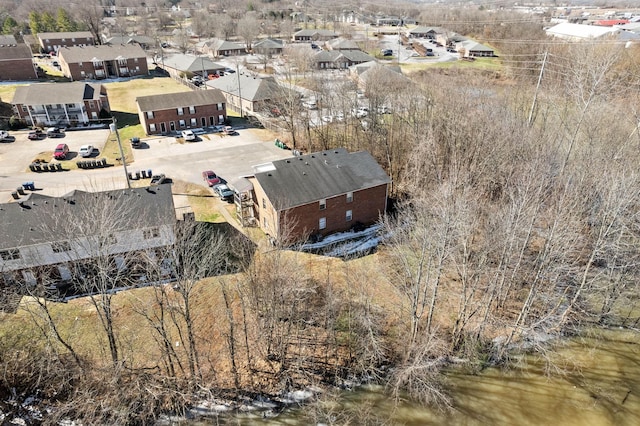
point(424, 32)
point(218, 47)
point(185, 66)
point(52, 42)
point(173, 112)
point(52, 243)
point(370, 75)
point(473, 49)
point(341, 44)
point(314, 35)
point(60, 104)
point(353, 17)
point(340, 59)
point(393, 21)
point(142, 41)
point(16, 63)
point(105, 61)
point(318, 194)
point(246, 94)
point(268, 47)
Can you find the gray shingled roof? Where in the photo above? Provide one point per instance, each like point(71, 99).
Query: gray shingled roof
point(423, 30)
point(65, 35)
point(350, 55)
point(106, 52)
point(7, 40)
point(308, 178)
point(311, 33)
point(181, 99)
point(252, 88)
point(125, 39)
point(39, 219)
point(268, 43)
point(343, 44)
point(219, 44)
point(56, 93)
point(191, 63)
point(20, 51)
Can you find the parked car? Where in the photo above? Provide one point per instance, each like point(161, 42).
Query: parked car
point(135, 142)
point(55, 132)
point(158, 179)
point(210, 177)
point(228, 130)
point(36, 135)
point(229, 70)
point(4, 135)
point(61, 151)
point(188, 135)
point(223, 191)
point(86, 151)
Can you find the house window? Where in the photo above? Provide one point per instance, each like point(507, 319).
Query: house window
point(264, 203)
point(180, 111)
point(349, 215)
point(152, 127)
point(323, 204)
point(11, 254)
point(61, 246)
point(151, 233)
point(194, 122)
point(182, 123)
point(349, 197)
point(149, 114)
point(192, 110)
point(322, 223)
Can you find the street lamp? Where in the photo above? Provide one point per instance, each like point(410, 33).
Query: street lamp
point(114, 128)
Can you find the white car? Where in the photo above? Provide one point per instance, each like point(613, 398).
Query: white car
point(188, 135)
point(4, 135)
point(85, 151)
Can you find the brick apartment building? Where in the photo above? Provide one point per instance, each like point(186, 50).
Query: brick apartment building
point(16, 62)
point(318, 194)
point(106, 61)
point(67, 104)
point(52, 42)
point(173, 112)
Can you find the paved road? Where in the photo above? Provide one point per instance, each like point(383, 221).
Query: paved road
point(229, 156)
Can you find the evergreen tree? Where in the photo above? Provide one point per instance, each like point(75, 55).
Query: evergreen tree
point(35, 22)
point(48, 22)
point(9, 25)
point(64, 21)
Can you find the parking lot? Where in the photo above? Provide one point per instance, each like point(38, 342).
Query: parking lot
point(229, 156)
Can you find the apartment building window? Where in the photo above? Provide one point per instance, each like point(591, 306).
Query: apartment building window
point(349, 197)
point(182, 123)
point(180, 111)
point(349, 215)
point(73, 40)
point(149, 114)
point(151, 233)
point(11, 254)
point(194, 122)
point(323, 204)
point(25, 108)
point(192, 110)
point(264, 203)
point(61, 246)
point(322, 223)
point(135, 60)
point(219, 107)
point(91, 105)
point(152, 127)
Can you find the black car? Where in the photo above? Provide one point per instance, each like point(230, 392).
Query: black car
point(135, 142)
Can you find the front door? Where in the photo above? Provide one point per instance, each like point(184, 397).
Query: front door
point(172, 126)
point(163, 127)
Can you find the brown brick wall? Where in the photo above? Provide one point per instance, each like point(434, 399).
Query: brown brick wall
point(17, 69)
point(169, 115)
point(74, 70)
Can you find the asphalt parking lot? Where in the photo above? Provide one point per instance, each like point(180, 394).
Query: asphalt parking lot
point(229, 156)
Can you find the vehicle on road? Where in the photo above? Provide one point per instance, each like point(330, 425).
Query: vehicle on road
point(135, 142)
point(61, 152)
point(158, 179)
point(188, 135)
point(228, 130)
point(86, 151)
point(4, 135)
point(36, 135)
point(210, 177)
point(224, 192)
point(55, 132)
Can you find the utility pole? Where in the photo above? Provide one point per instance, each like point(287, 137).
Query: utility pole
point(239, 89)
point(114, 128)
point(535, 94)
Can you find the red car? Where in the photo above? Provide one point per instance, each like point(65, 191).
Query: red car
point(61, 151)
point(210, 177)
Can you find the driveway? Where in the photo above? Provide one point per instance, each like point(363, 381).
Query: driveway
point(229, 156)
